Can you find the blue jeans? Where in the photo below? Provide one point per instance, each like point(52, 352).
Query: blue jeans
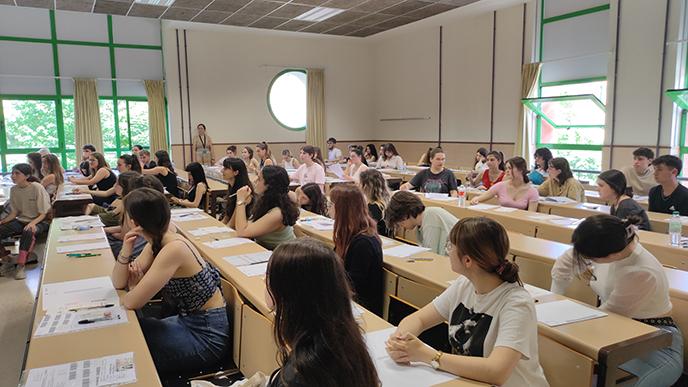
point(660, 368)
point(187, 343)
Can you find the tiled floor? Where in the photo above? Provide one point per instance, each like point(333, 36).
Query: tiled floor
point(16, 308)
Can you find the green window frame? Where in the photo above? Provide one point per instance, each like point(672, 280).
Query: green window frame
point(272, 113)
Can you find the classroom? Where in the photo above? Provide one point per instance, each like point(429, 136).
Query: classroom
point(292, 193)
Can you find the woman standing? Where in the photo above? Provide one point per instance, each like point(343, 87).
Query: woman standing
point(203, 145)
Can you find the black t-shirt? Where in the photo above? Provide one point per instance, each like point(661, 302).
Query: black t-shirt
point(149, 165)
point(363, 264)
point(443, 182)
point(377, 214)
point(677, 201)
point(629, 207)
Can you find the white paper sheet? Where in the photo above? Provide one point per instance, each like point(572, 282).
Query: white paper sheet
point(438, 196)
point(565, 221)
point(222, 243)
point(179, 211)
point(67, 322)
point(104, 371)
point(336, 169)
point(592, 206)
point(536, 292)
point(542, 216)
point(388, 242)
point(248, 259)
point(83, 247)
point(210, 230)
point(562, 312)
point(81, 293)
point(404, 250)
point(483, 206)
point(72, 222)
point(638, 198)
point(505, 209)
point(83, 237)
point(557, 199)
point(392, 374)
point(256, 270)
point(187, 217)
point(322, 225)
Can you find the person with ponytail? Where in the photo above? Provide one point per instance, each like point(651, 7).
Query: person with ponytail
point(234, 172)
point(198, 337)
point(493, 172)
point(165, 172)
point(515, 191)
point(629, 281)
point(357, 242)
point(318, 340)
point(613, 189)
point(274, 214)
point(264, 155)
point(311, 198)
point(102, 177)
point(356, 166)
point(492, 322)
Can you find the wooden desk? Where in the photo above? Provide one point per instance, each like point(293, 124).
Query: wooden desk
point(255, 330)
point(593, 196)
point(54, 350)
point(605, 342)
point(66, 204)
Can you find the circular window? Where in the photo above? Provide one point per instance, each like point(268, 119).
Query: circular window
point(287, 99)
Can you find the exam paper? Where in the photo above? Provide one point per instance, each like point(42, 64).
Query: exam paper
point(337, 170)
point(536, 292)
point(562, 312)
point(210, 230)
point(72, 222)
point(186, 217)
point(322, 225)
point(221, 243)
point(62, 322)
point(388, 242)
point(179, 211)
point(593, 206)
point(558, 199)
point(397, 375)
point(83, 237)
point(104, 371)
point(438, 196)
point(404, 250)
point(505, 209)
point(248, 259)
point(483, 206)
point(255, 270)
point(83, 247)
point(81, 293)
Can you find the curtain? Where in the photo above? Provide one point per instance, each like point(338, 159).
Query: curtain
point(86, 116)
point(155, 90)
point(315, 109)
point(525, 138)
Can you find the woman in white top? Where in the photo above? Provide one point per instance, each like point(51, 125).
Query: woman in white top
point(389, 158)
point(492, 322)
point(356, 166)
point(288, 161)
point(252, 165)
point(629, 281)
point(53, 174)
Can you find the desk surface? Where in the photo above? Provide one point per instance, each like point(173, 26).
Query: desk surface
point(54, 350)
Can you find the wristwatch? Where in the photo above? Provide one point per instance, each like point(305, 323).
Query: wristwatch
point(435, 362)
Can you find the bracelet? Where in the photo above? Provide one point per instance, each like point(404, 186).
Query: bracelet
point(240, 203)
point(127, 260)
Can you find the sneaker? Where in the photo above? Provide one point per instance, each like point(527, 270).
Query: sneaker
point(20, 274)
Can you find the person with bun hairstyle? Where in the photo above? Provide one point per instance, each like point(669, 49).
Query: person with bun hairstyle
point(264, 155)
point(561, 181)
point(492, 322)
point(612, 187)
point(515, 191)
point(492, 173)
point(629, 281)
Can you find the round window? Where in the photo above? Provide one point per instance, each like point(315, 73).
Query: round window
point(287, 99)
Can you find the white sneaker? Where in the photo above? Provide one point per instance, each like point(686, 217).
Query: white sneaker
point(20, 274)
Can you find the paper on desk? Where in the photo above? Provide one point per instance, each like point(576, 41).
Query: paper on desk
point(104, 371)
point(71, 222)
point(221, 243)
point(210, 230)
point(62, 322)
point(254, 270)
point(404, 250)
point(562, 312)
point(330, 180)
point(593, 206)
point(638, 198)
point(248, 259)
point(337, 170)
point(74, 196)
point(398, 375)
point(83, 247)
point(322, 224)
point(536, 292)
point(388, 242)
point(565, 221)
point(483, 206)
point(438, 196)
point(186, 217)
point(80, 293)
point(83, 237)
point(179, 211)
point(542, 216)
point(557, 199)
point(505, 209)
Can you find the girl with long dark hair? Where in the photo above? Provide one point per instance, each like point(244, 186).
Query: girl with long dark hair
point(165, 172)
point(235, 173)
point(195, 198)
point(311, 198)
point(101, 176)
point(611, 184)
point(561, 181)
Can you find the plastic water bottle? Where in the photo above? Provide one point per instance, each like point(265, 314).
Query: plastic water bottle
point(462, 196)
point(675, 228)
point(403, 167)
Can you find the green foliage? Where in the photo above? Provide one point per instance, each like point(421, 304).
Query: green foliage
point(30, 124)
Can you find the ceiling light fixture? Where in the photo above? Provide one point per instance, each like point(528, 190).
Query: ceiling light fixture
point(319, 14)
point(162, 3)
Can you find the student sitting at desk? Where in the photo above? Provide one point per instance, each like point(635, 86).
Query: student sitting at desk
point(612, 187)
point(274, 214)
point(377, 195)
point(356, 166)
point(334, 154)
point(29, 208)
point(315, 349)
point(288, 161)
point(669, 195)
point(235, 173)
point(435, 179)
point(370, 154)
point(125, 164)
point(145, 159)
point(432, 224)
point(53, 174)
point(493, 172)
point(356, 241)
point(492, 322)
point(101, 176)
point(36, 162)
point(389, 158)
point(128, 163)
point(112, 215)
point(629, 281)
point(230, 152)
point(311, 198)
point(515, 191)
point(85, 165)
point(539, 174)
point(195, 198)
point(640, 175)
point(196, 338)
point(252, 165)
point(309, 171)
point(165, 172)
point(264, 155)
point(424, 160)
point(561, 181)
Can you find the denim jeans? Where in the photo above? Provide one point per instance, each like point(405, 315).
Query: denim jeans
point(660, 368)
point(187, 343)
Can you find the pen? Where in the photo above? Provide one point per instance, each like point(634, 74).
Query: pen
point(91, 307)
point(95, 320)
point(83, 255)
point(422, 259)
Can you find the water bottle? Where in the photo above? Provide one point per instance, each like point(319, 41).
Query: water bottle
point(462, 196)
point(403, 167)
point(675, 228)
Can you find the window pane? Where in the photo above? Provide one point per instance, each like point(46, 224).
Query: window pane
point(563, 111)
point(14, 159)
point(30, 124)
point(111, 158)
point(107, 123)
point(580, 159)
point(123, 132)
point(68, 121)
point(138, 119)
point(287, 99)
point(598, 89)
point(587, 136)
point(71, 159)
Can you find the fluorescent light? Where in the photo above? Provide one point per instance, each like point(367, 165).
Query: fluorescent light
point(164, 3)
point(319, 14)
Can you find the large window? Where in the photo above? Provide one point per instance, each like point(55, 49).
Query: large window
point(287, 99)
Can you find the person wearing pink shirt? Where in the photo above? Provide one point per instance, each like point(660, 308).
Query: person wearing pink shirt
point(309, 171)
point(515, 191)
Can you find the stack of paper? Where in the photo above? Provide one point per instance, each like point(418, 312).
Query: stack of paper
point(483, 206)
point(222, 243)
point(104, 371)
point(83, 237)
point(210, 230)
point(72, 222)
point(562, 312)
point(179, 211)
point(256, 270)
point(505, 209)
point(79, 294)
point(438, 196)
point(73, 321)
point(249, 259)
point(83, 247)
point(336, 169)
point(404, 250)
point(188, 216)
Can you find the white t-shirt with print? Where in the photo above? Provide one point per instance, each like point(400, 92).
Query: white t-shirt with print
point(505, 317)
